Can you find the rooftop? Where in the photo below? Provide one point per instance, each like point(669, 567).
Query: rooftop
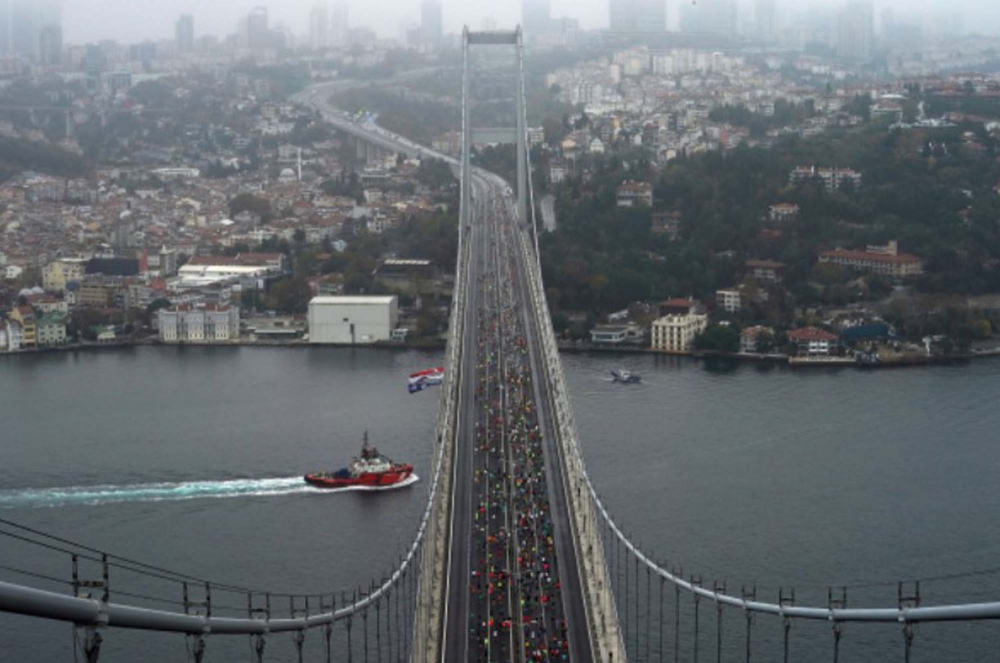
point(353, 300)
point(811, 334)
point(902, 258)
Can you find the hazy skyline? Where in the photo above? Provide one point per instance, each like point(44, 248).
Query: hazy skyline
point(137, 20)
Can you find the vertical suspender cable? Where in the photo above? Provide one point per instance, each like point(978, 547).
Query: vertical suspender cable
point(649, 610)
point(662, 582)
point(677, 623)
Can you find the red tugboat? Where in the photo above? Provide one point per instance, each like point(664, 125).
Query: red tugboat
point(371, 469)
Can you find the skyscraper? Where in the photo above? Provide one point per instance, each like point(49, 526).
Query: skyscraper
point(856, 31)
point(258, 28)
point(22, 22)
point(340, 23)
point(50, 45)
point(764, 19)
point(319, 27)
point(431, 21)
point(710, 16)
point(536, 17)
point(184, 33)
point(638, 15)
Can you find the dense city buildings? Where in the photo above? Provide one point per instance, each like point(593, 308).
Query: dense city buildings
point(171, 179)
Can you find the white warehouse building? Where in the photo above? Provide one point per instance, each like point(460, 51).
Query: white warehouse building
point(351, 320)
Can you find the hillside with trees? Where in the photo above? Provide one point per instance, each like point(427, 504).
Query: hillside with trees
point(930, 189)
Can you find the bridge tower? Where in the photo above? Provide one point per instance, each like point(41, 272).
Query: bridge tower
point(517, 134)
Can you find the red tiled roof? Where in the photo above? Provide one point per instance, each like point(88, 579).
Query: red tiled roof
point(678, 302)
point(806, 334)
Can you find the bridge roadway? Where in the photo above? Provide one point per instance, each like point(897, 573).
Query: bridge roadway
point(493, 226)
point(498, 272)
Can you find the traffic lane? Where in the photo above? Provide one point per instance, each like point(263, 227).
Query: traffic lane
point(569, 570)
point(455, 640)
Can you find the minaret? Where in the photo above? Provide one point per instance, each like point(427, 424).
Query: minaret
point(300, 164)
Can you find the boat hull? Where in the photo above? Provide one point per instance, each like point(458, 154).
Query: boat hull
point(368, 479)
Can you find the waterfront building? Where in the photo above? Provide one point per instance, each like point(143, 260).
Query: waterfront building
point(813, 342)
point(25, 317)
point(207, 323)
point(51, 330)
point(751, 337)
point(675, 331)
point(352, 320)
point(616, 334)
point(14, 336)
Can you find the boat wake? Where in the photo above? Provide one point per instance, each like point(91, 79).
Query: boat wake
point(171, 492)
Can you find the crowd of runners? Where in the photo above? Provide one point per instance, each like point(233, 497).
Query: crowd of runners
point(516, 609)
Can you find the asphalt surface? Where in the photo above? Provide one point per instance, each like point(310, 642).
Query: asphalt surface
point(455, 639)
point(511, 548)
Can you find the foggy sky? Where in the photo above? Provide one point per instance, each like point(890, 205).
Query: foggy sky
point(135, 20)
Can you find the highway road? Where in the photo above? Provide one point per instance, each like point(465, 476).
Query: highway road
point(506, 443)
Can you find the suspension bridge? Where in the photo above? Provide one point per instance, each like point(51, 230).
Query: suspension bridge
point(516, 556)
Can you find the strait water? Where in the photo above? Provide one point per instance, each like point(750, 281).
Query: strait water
point(190, 459)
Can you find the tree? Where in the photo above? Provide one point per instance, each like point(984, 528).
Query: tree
point(156, 305)
point(290, 296)
point(428, 322)
point(765, 342)
point(718, 338)
point(247, 202)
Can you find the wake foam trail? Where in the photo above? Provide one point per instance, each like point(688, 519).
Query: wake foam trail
point(171, 492)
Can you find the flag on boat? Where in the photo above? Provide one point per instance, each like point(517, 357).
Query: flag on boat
point(423, 379)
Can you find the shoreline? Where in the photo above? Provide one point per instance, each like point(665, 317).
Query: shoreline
point(438, 346)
